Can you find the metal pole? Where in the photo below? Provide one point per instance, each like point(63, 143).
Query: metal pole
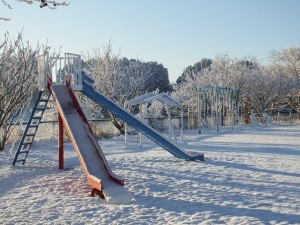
point(60, 143)
point(217, 108)
point(181, 107)
point(199, 111)
point(140, 134)
point(188, 115)
point(125, 124)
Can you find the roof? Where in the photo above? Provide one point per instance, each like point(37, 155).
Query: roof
point(149, 97)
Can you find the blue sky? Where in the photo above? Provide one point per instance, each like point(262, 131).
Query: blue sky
point(176, 33)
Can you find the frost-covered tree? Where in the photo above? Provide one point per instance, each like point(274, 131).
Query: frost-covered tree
point(154, 113)
point(119, 79)
point(262, 87)
point(221, 72)
point(288, 61)
point(18, 68)
point(265, 87)
point(43, 3)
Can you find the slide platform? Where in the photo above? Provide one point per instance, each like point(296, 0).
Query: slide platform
point(134, 122)
point(91, 157)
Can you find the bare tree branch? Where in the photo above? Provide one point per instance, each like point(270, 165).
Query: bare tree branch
point(43, 3)
point(18, 74)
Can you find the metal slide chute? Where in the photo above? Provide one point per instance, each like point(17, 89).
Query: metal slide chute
point(134, 122)
point(91, 157)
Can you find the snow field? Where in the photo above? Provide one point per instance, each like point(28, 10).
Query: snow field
point(251, 176)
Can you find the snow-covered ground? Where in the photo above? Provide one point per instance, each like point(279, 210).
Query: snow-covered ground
point(251, 176)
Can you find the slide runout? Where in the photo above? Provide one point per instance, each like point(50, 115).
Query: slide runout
point(135, 122)
point(90, 155)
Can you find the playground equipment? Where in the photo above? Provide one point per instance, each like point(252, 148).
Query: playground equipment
point(254, 121)
point(283, 116)
point(214, 109)
point(265, 119)
point(72, 118)
point(145, 100)
point(268, 119)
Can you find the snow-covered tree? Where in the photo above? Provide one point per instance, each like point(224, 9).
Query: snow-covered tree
point(213, 73)
point(219, 73)
point(261, 86)
point(288, 61)
point(43, 3)
point(18, 69)
point(154, 113)
point(119, 79)
point(265, 87)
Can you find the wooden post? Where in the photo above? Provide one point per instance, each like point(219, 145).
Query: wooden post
point(60, 143)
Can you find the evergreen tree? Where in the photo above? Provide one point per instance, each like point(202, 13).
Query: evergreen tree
point(159, 78)
point(196, 68)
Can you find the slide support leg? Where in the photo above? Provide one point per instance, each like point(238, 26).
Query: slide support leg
point(60, 143)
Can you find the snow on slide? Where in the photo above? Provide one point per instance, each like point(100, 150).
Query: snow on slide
point(89, 152)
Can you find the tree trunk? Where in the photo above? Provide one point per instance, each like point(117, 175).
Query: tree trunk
point(2, 137)
point(2, 144)
point(118, 124)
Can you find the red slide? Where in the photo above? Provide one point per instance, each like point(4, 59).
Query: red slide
point(91, 157)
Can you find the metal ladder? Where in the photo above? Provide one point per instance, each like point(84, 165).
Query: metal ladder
point(32, 127)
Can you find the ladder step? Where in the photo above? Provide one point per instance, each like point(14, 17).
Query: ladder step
point(39, 110)
point(27, 142)
point(41, 107)
point(25, 147)
point(37, 117)
point(44, 100)
point(24, 151)
point(29, 135)
point(35, 121)
point(21, 160)
point(34, 125)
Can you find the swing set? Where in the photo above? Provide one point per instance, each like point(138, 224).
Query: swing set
point(214, 109)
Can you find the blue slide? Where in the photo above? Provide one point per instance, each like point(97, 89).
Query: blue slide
point(134, 122)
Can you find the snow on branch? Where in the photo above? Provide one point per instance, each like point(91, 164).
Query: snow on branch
point(7, 4)
point(5, 19)
point(43, 3)
point(26, 1)
point(18, 81)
